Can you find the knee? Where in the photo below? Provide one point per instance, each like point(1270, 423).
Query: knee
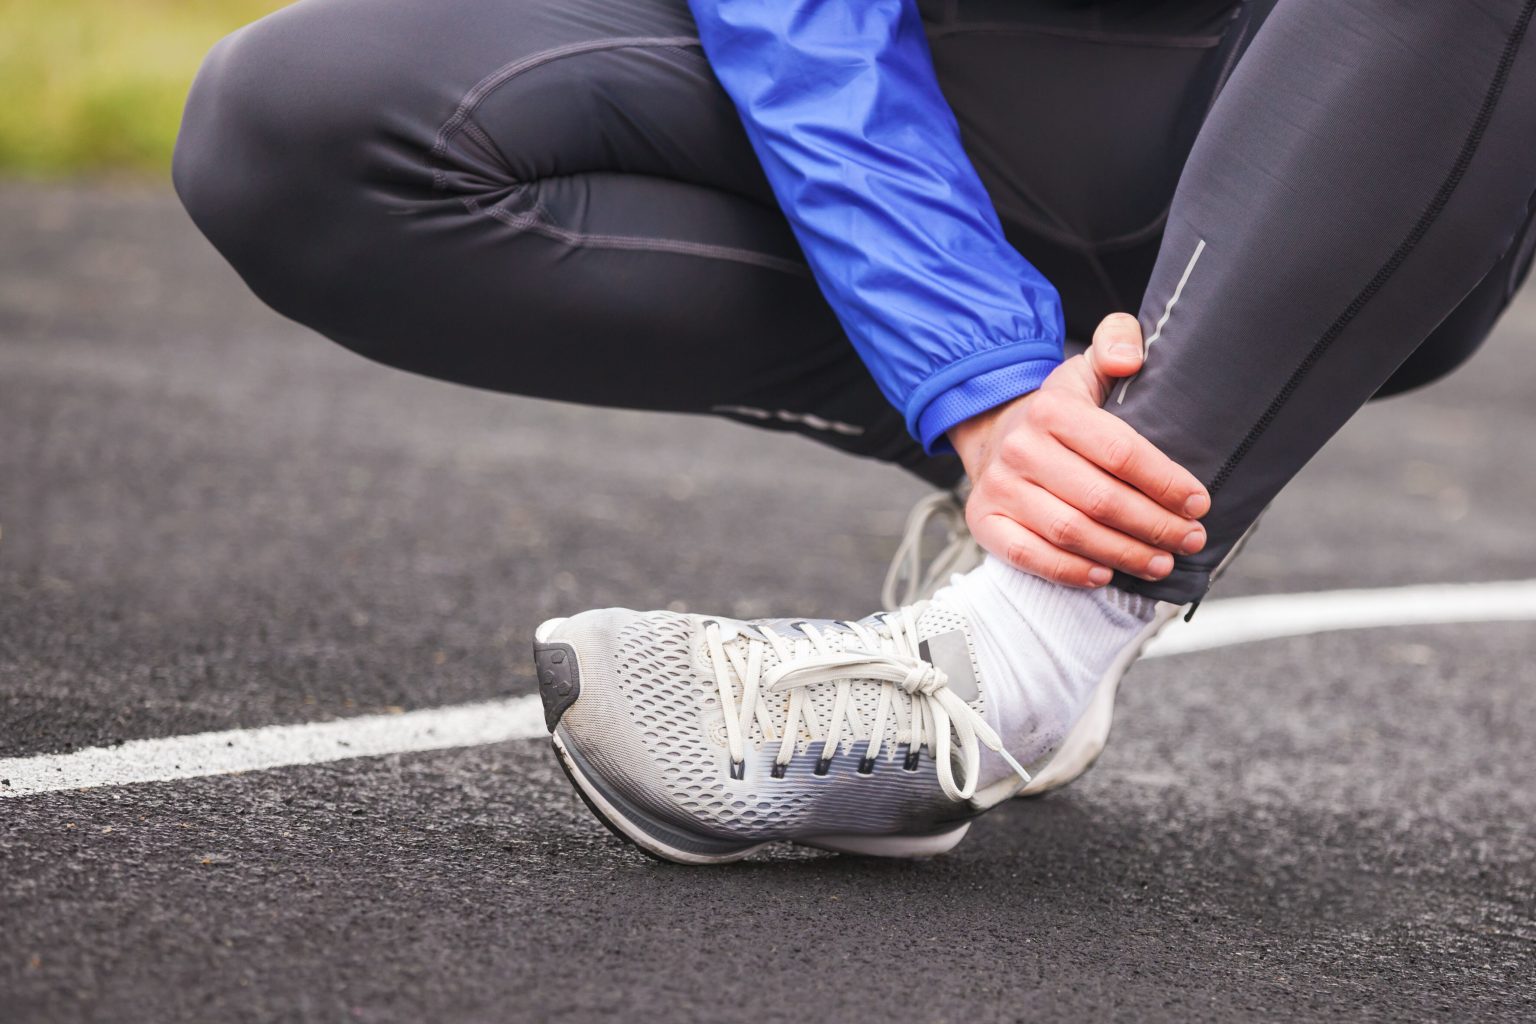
point(264, 153)
point(229, 151)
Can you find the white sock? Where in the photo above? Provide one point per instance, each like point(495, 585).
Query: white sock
point(1041, 647)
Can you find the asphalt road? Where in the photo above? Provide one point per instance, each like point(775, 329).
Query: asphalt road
point(214, 519)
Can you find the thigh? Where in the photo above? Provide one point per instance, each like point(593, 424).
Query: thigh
point(545, 197)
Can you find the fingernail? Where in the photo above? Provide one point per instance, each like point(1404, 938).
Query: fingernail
point(1193, 542)
point(1124, 349)
point(1160, 566)
point(1197, 505)
point(1099, 575)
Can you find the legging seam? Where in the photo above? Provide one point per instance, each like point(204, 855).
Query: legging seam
point(479, 134)
point(504, 74)
point(538, 219)
point(1426, 220)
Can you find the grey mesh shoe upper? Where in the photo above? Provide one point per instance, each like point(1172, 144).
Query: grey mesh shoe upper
point(785, 729)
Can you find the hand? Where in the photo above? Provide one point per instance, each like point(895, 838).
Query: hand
point(1067, 491)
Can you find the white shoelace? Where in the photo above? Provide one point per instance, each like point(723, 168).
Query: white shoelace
point(888, 657)
point(908, 580)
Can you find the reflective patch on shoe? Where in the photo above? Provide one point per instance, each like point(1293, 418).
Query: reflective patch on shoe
point(952, 653)
point(559, 679)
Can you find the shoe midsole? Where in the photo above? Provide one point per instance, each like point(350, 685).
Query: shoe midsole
point(666, 836)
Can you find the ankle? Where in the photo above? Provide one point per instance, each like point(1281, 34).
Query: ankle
point(1042, 647)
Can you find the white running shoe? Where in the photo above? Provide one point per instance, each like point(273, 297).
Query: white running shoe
point(702, 739)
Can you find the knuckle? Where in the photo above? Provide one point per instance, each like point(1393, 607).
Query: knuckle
point(974, 515)
point(1018, 555)
point(1166, 530)
point(1064, 570)
point(1065, 531)
point(1045, 410)
point(1119, 455)
point(1100, 501)
point(1132, 559)
point(1015, 449)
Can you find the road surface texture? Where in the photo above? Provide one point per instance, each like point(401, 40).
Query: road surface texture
point(214, 520)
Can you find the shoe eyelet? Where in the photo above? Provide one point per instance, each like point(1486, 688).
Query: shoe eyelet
point(823, 766)
point(914, 758)
point(738, 770)
point(867, 766)
point(779, 770)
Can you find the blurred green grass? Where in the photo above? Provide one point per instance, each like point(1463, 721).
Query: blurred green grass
point(96, 86)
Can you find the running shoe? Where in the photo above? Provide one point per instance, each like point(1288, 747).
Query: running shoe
point(703, 739)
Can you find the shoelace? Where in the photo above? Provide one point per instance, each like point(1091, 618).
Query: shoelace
point(908, 580)
point(888, 657)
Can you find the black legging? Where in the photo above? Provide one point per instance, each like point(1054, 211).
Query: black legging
point(555, 198)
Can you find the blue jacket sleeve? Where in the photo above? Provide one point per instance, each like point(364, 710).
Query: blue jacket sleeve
point(843, 109)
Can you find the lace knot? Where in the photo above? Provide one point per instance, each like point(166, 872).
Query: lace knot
point(923, 678)
point(885, 653)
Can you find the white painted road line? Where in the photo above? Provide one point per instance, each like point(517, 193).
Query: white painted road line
point(1241, 620)
point(275, 746)
point(1218, 624)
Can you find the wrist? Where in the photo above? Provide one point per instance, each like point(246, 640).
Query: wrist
point(971, 438)
point(967, 389)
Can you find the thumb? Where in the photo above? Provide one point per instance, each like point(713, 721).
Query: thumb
point(1116, 350)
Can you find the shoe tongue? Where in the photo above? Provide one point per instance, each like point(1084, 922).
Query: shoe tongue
point(951, 652)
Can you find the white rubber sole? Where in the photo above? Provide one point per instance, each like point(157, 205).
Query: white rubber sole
point(899, 847)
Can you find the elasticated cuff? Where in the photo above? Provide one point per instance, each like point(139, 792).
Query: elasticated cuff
point(971, 396)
